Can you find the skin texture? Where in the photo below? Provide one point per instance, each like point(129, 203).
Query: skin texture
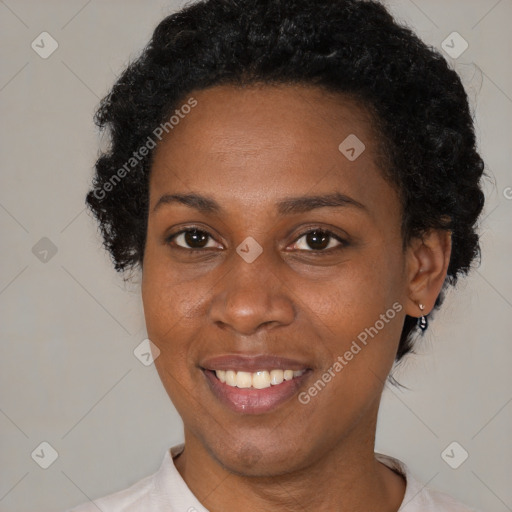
point(249, 148)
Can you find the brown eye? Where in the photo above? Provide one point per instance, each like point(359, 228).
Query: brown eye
point(319, 240)
point(191, 239)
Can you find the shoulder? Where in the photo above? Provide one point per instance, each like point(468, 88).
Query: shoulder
point(418, 497)
point(430, 499)
point(127, 500)
point(142, 495)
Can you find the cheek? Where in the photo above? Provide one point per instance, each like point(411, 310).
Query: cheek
point(354, 298)
point(169, 295)
point(358, 318)
point(175, 306)
point(169, 316)
point(169, 323)
point(358, 325)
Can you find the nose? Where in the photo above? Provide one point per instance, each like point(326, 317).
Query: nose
point(251, 297)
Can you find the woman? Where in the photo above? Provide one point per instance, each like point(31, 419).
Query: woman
point(298, 183)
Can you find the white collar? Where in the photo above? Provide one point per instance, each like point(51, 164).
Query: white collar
point(170, 486)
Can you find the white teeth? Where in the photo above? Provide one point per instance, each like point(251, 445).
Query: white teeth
point(231, 378)
point(258, 380)
point(276, 377)
point(261, 380)
point(243, 380)
point(288, 374)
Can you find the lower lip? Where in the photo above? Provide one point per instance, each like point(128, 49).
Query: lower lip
point(251, 400)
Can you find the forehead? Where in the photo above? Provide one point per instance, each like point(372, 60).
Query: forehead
point(260, 141)
point(263, 116)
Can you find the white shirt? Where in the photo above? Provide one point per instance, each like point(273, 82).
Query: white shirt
point(166, 491)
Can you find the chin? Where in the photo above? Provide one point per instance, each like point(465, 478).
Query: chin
point(259, 457)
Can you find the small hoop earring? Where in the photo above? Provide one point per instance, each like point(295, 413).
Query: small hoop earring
point(422, 320)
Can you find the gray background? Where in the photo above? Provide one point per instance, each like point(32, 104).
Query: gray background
point(68, 375)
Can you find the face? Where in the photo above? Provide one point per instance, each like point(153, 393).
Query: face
point(269, 250)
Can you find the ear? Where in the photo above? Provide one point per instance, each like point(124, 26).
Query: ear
point(427, 259)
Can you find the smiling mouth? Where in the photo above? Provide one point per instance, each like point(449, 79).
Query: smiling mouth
point(257, 380)
point(257, 392)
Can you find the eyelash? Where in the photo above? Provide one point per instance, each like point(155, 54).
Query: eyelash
point(330, 235)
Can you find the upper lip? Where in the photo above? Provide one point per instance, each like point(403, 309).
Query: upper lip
point(254, 363)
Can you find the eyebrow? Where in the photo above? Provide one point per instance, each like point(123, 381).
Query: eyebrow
point(288, 206)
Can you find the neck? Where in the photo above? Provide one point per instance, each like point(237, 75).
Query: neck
point(347, 478)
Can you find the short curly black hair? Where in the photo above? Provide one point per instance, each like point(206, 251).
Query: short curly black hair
point(353, 47)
